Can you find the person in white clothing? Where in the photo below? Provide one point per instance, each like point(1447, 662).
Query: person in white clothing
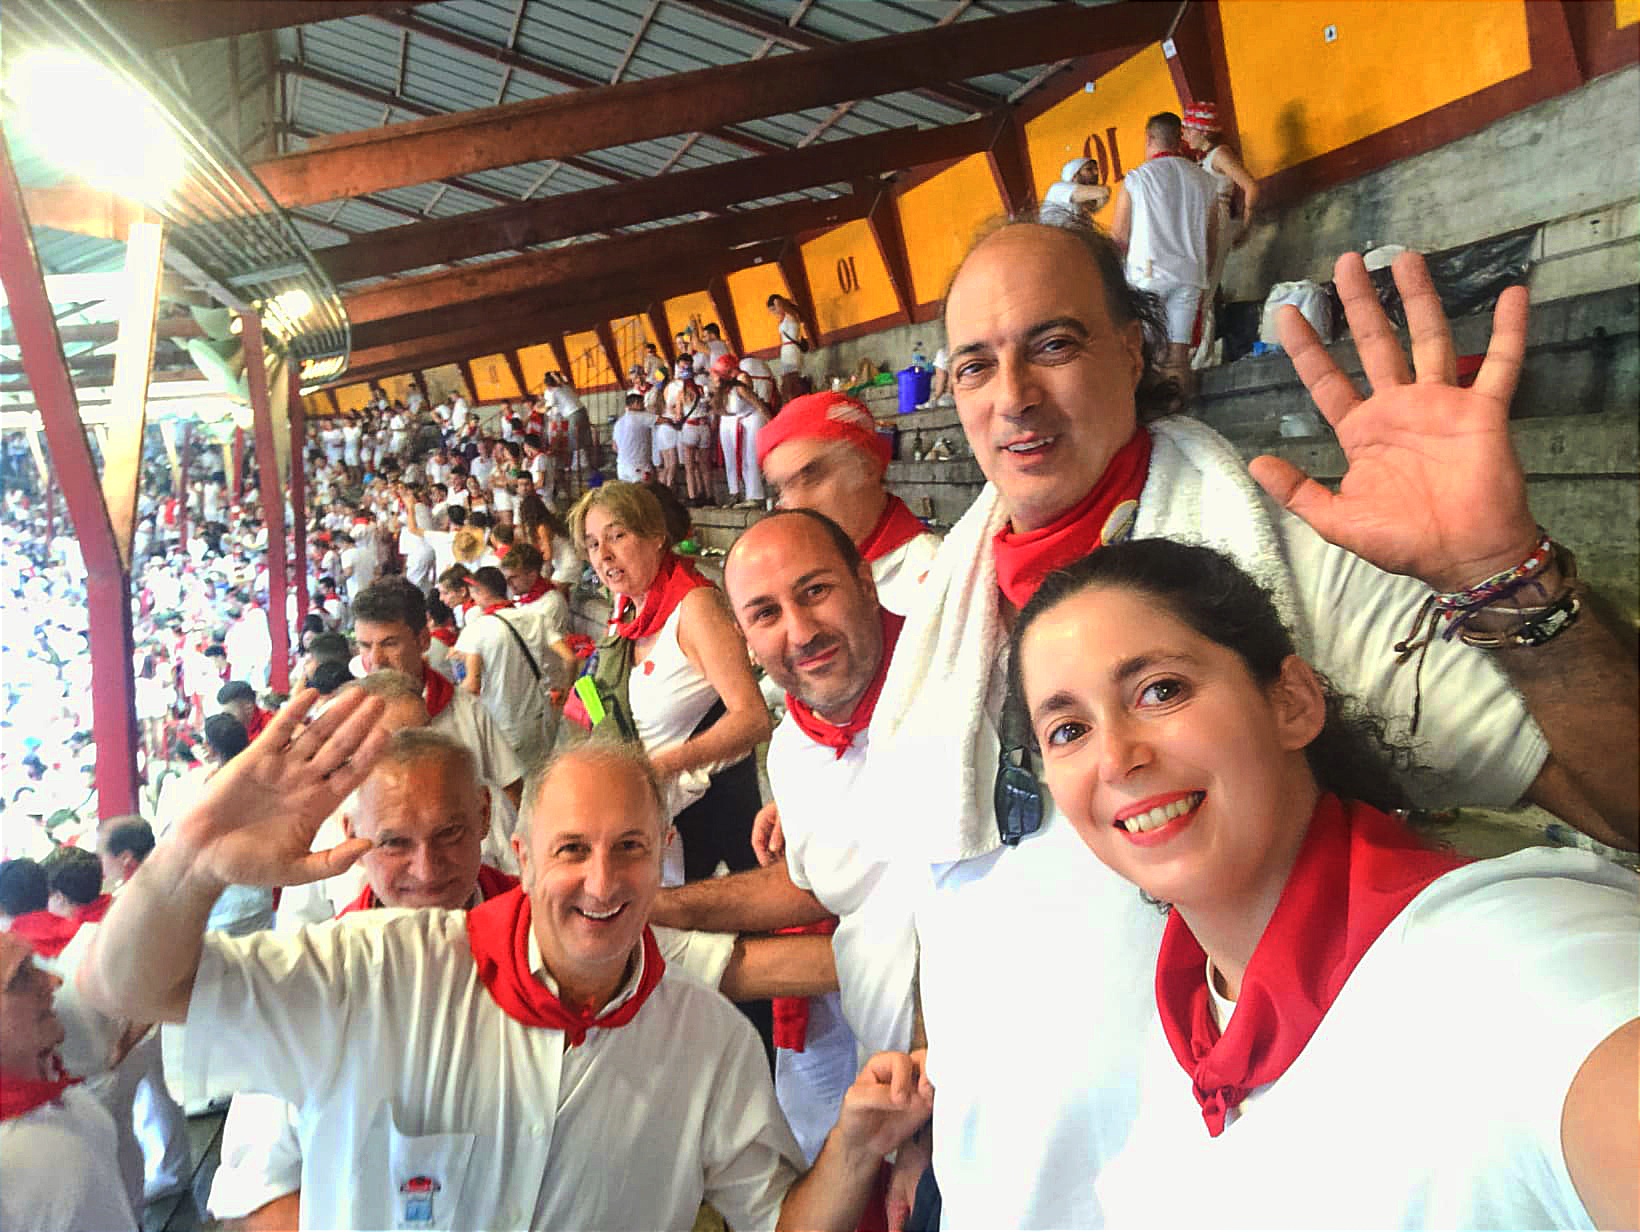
point(793, 343)
point(1235, 217)
point(1201, 759)
point(557, 987)
point(633, 434)
point(1078, 188)
point(57, 1142)
point(1051, 364)
point(391, 632)
point(823, 452)
point(805, 600)
point(744, 415)
point(1166, 218)
point(335, 448)
point(512, 660)
point(761, 379)
point(352, 435)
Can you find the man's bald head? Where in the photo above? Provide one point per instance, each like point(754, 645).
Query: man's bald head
point(806, 601)
point(623, 762)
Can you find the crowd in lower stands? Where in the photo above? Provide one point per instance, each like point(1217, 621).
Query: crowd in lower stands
point(1064, 873)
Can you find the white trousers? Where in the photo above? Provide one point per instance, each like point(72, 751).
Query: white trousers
point(738, 436)
point(161, 1128)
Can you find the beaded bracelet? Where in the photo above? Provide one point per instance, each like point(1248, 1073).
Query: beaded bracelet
point(1502, 584)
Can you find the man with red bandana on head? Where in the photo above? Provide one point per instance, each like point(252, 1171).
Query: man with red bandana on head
point(514, 1065)
point(823, 452)
point(1521, 691)
point(57, 1143)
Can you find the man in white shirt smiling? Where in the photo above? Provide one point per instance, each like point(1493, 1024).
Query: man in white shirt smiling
point(526, 1036)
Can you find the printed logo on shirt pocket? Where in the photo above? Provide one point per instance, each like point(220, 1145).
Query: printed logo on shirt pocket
point(416, 1199)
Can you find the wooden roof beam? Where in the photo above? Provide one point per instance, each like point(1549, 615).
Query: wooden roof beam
point(541, 68)
point(563, 125)
point(688, 271)
point(635, 252)
point(179, 22)
point(668, 196)
point(752, 21)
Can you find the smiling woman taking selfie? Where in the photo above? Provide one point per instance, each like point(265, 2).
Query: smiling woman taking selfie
point(1353, 1029)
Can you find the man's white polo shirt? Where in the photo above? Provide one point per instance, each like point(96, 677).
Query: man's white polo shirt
point(425, 1100)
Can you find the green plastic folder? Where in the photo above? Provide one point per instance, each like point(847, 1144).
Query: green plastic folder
point(586, 688)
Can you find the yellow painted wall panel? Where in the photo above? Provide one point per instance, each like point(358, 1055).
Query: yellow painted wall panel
point(1628, 12)
point(444, 380)
point(749, 291)
point(1299, 96)
point(695, 309)
point(353, 397)
point(494, 377)
point(589, 368)
point(1107, 124)
point(537, 361)
point(940, 218)
point(847, 278)
point(398, 387)
point(630, 334)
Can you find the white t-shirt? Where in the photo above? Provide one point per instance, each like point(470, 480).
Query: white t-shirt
point(420, 559)
point(60, 1171)
point(844, 851)
point(1431, 1095)
point(1172, 202)
point(634, 444)
point(900, 573)
point(507, 687)
point(481, 469)
point(404, 1067)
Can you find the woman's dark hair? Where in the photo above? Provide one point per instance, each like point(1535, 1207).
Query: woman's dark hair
point(533, 513)
point(1157, 395)
point(1207, 591)
point(439, 611)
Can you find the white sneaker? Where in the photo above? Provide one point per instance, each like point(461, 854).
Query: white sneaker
point(946, 402)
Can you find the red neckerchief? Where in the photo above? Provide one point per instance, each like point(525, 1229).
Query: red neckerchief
point(1358, 868)
point(492, 883)
point(492, 608)
point(94, 911)
point(499, 933)
point(260, 718)
point(673, 580)
point(1023, 559)
point(897, 527)
point(23, 1095)
point(46, 932)
point(447, 636)
point(1164, 154)
point(541, 587)
point(839, 738)
point(437, 689)
point(791, 1014)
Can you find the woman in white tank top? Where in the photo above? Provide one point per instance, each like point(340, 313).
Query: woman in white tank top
point(688, 662)
point(1201, 134)
point(792, 382)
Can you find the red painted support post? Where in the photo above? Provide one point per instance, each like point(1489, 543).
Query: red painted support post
point(273, 500)
point(238, 480)
point(182, 488)
point(108, 586)
point(298, 502)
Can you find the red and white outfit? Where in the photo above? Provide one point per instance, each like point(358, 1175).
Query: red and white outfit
point(1173, 202)
point(1007, 1136)
point(900, 550)
point(408, 1040)
point(1439, 1073)
point(845, 855)
point(57, 1151)
point(737, 433)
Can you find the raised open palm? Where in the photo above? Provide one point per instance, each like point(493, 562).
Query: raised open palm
point(256, 820)
point(1433, 488)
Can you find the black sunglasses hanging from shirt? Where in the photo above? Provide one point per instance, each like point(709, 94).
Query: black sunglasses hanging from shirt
point(1017, 796)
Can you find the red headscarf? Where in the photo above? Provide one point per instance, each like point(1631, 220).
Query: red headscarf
point(499, 932)
point(896, 527)
point(838, 738)
point(1358, 868)
point(1024, 558)
point(673, 580)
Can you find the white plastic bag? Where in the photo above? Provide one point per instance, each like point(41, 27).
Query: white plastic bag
point(1309, 298)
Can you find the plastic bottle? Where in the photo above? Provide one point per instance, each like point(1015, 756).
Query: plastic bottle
point(919, 361)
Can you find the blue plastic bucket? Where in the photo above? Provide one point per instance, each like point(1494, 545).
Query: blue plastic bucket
point(914, 388)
